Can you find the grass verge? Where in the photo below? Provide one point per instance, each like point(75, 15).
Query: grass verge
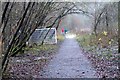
point(102, 50)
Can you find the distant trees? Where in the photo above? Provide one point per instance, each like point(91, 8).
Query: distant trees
point(105, 17)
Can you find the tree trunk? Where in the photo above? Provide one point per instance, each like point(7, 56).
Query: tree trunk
point(11, 44)
point(0, 43)
point(107, 25)
point(0, 49)
point(119, 35)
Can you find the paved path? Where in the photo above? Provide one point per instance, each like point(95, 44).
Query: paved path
point(69, 63)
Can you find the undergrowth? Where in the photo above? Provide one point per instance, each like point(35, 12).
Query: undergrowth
point(103, 45)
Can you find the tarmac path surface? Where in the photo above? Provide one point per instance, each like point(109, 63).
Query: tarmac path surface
point(69, 62)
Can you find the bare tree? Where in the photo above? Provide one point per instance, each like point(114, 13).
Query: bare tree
point(29, 19)
point(21, 19)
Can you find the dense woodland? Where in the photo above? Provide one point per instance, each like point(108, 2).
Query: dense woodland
point(20, 19)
